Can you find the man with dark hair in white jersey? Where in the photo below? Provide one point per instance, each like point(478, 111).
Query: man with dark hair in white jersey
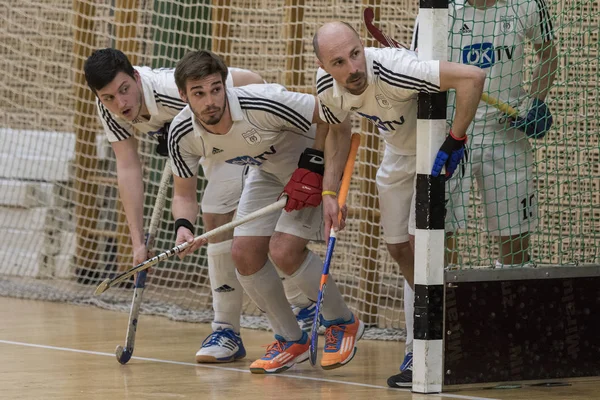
point(382, 85)
point(146, 100)
point(268, 129)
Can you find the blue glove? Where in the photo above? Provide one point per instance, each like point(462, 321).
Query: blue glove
point(450, 154)
point(537, 121)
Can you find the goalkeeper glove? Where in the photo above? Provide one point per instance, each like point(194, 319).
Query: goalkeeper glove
point(534, 118)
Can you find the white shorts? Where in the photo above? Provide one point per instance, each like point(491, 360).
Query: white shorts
point(503, 170)
point(396, 185)
point(224, 188)
point(262, 189)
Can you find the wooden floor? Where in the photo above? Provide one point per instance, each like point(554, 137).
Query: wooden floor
point(58, 351)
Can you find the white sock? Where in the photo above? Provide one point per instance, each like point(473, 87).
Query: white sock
point(409, 316)
point(226, 289)
point(308, 278)
point(266, 290)
point(293, 293)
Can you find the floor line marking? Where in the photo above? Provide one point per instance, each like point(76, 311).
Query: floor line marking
point(218, 367)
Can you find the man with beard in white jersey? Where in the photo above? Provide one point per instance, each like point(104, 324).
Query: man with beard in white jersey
point(382, 85)
point(268, 129)
point(146, 100)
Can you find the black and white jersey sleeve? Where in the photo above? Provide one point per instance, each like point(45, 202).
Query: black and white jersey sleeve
point(115, 128)
point(185, 158)
point(330, 109)
point(537, 20)
point(272, 107)
point(401, 74)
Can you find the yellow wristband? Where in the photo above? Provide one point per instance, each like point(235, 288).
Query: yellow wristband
point(328, 193)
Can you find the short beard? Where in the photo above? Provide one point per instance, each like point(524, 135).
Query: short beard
point(361, 89)
point(213, 120)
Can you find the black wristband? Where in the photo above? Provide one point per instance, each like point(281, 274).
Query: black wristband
point(185, 223)
point(312, 160)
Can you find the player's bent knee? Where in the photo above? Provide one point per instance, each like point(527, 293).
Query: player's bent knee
point(249, 254)
point(212, 221)
point(287, 251)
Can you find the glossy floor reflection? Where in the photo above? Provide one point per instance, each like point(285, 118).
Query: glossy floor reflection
point(58, 351)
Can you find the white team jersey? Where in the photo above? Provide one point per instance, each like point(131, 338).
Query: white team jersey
point(395, 76)
point(162, 100)
point(271, 128)
point(493, 39)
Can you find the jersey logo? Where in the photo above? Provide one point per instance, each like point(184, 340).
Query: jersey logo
point(249, 160)
point(383, 125)
point(507, 23)
point(383, 102)
point(465, 29)
point(484, 55)
point(252, 137)
point(216, 150)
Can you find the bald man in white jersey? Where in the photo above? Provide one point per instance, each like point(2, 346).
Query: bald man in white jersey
point(268, 129)
point(382, 85)
point(146, 100)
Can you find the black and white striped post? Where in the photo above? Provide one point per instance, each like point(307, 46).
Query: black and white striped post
point(428, 365)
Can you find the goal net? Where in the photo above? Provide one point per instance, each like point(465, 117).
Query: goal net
point(62, 226)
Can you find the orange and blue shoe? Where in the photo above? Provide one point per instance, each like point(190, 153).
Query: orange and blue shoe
point(282, 355)
point(340, 341)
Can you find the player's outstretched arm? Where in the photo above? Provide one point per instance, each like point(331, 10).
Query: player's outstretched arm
point(337, 147)
point(244, 77)
point(185, 211)
point(467, 81)
point(545, 70)
point(131, 192)
point(535, 118)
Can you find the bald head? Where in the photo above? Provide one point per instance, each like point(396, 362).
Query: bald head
point(330, 33)
point(341, 54)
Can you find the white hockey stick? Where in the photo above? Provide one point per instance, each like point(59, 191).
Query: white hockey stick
point(108, 283)
point(124, 353)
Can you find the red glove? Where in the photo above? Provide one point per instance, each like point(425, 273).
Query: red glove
point(306, 184)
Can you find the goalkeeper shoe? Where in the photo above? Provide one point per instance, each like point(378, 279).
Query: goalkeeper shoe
point(404, 378)
point(282, 355)
point(340, 342)
point(221, 346)
point(305, 316)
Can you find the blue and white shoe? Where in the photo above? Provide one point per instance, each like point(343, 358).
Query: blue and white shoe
point(305, 316)
point(404, 378)
point(221, 346)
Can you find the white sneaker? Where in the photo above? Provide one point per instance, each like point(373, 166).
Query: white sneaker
point(221, 346)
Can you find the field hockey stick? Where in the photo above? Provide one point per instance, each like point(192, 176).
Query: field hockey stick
point(388, 41)
point(348, 169)
point(108, 283)
point(124, 353)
